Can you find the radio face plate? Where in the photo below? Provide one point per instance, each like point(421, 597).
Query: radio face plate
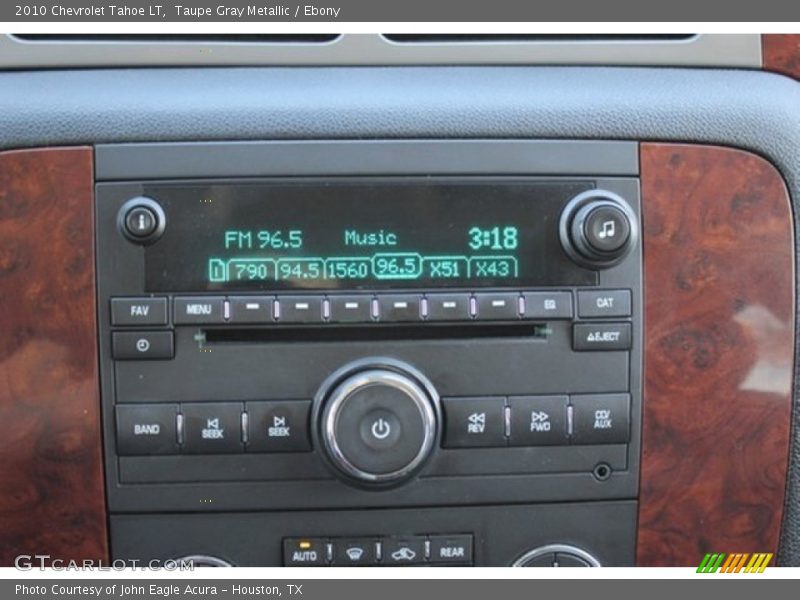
point(231, 367)
point(368, 233)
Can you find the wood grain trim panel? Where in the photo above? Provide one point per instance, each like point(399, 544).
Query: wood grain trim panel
point(719, 353)
point(780, 53)
point(53, 497)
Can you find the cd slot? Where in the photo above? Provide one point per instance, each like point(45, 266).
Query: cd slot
point(375, 332)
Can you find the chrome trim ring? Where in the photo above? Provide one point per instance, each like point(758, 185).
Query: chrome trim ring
point(369, 378)
point(203, 560)
point(554, 549)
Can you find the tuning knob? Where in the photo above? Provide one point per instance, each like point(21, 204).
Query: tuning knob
point(378, 422)
point(598, 229)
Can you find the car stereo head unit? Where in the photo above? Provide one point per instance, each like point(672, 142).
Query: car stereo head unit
point(339, 341)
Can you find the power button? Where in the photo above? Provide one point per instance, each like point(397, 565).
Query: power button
point(380, 429)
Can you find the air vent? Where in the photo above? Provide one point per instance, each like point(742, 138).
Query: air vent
point(260, 38)
point(444, 38)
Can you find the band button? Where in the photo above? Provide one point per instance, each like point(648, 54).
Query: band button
point(144, 429)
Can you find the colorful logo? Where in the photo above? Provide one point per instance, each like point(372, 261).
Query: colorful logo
point(735, 563)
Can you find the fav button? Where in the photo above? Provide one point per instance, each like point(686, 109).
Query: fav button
point(138, 311)
point(601, 418)
point(144, 429)
point(142, 345)
point(212, 428)
point(278, 426)
point(474, 422)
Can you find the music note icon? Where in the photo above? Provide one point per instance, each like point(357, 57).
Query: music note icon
point(608, 230)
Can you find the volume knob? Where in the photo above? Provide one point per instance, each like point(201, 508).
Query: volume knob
point(378, 423)
point(598, 229)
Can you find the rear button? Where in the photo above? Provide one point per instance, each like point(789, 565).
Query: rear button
point(451, 549)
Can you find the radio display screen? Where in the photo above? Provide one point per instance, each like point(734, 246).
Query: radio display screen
point(361, 234)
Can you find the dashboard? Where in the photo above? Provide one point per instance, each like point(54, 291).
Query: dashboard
point(397, 300)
